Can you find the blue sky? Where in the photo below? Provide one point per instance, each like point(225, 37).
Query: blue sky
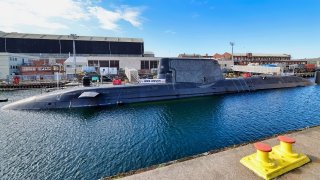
point(172, 27)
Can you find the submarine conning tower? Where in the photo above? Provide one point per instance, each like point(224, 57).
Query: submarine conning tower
point(187, 70)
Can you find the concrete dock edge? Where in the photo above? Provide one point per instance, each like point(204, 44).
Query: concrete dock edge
point(224, 163)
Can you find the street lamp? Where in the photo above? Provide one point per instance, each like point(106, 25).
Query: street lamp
point(74, 37)
point(232, 44)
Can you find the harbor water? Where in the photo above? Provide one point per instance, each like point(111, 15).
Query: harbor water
point(99, 142)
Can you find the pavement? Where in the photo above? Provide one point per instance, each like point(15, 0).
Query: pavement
point(226, 164)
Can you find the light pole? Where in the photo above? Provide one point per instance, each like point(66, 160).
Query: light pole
point(74, 37)
point(232, 44)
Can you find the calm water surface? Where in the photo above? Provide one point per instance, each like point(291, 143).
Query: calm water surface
point(94, 143)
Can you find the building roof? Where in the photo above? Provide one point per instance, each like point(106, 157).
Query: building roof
point(18, 55)
point(67, 37)
point(218, 56)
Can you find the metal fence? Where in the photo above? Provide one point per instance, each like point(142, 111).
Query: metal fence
point(40, 78)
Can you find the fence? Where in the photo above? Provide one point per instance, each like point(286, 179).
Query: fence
point(42, 78)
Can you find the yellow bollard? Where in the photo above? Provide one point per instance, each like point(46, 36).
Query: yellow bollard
point(262, 152)
point(260, 162)
point(270, 162)
point(263, 156)
point(286, 146)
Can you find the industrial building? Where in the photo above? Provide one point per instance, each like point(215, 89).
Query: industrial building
point(251, 57)
point(52, 49)
point(62, 45)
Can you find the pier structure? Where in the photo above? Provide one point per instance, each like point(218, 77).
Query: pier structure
point(11, 87)
point(226, 164)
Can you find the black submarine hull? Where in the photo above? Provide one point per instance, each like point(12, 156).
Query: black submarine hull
point(126, 94)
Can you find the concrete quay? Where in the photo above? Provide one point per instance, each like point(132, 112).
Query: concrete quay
point(226, 165)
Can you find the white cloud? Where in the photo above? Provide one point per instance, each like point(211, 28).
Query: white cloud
point(109, 19)
point(41, 15)
point(132, 15)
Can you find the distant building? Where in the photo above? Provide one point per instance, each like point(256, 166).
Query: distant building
point(46, 45)
point(10, 63)
point(50, 51)
point(225, 56)
point(261, 57)
point(253, 57)
point(315, 61)
point(42, 67)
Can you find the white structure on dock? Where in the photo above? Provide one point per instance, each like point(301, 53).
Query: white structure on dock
point(256, 69)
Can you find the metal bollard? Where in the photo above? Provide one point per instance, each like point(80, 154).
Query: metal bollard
point(263, 154)
point(286, 146)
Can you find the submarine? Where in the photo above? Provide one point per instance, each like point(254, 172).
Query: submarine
point(179, 78)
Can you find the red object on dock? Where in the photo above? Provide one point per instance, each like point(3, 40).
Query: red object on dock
point(116, 82)
point(16, 80)
point(286, 139)
point(246, 75)
point(262, 147)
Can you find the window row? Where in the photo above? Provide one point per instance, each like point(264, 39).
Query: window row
point(149, 64)
point(13, 59)
point(104, 63)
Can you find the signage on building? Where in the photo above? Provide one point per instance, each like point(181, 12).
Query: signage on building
point(88, 69)
point(106, 71)
point(152, 81)
point(44, 68)
point(28, 68)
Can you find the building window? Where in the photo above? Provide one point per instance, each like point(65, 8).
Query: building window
point(153, 64)
point(145, 65)
point(104, 63)
point(68, 66)
point(93, 63)
point(114, 63)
